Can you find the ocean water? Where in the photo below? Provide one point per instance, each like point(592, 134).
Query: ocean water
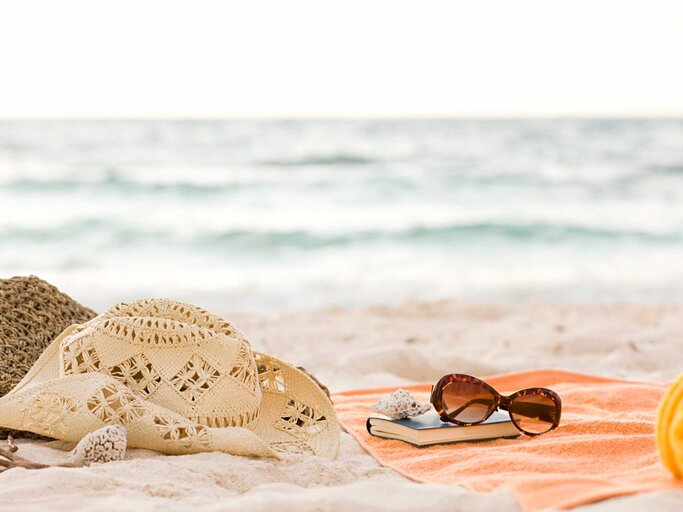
point(283, 215)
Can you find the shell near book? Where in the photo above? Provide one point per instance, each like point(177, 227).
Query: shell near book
point(400, 404)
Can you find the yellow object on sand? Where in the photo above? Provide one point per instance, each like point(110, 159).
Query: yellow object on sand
point(670, 428)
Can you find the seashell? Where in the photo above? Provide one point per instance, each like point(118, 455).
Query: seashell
point(400, 404)
point(104, 445)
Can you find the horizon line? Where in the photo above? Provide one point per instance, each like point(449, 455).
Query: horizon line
point(469, 117)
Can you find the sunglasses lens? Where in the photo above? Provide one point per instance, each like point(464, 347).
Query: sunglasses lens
point(467, 402)
point(534, 414)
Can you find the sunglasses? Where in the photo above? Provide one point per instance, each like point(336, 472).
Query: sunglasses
point(466, 400)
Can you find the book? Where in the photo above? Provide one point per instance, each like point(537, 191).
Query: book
point(428, 429)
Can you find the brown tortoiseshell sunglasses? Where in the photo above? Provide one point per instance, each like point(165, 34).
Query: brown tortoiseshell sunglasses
point(466, 400)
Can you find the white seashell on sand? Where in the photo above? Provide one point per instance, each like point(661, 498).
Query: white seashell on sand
point(104, 445)
point(400, 404)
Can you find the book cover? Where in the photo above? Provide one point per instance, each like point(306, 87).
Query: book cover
point(428, 429)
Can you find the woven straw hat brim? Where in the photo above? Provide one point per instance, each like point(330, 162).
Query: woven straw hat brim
point(182, 381)
point(296, 416)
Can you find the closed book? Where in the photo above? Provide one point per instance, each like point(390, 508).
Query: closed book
point(428, 429)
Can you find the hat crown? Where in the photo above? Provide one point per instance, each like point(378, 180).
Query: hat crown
point(179, 356)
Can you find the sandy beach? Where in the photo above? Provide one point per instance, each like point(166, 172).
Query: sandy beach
point(378, 346)
point(380, 193)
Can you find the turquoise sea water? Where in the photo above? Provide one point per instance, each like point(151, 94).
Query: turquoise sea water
point(278, 215)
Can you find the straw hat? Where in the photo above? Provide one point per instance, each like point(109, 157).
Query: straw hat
point(175, 376)
point(32, 314)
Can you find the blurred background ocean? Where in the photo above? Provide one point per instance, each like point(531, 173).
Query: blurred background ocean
point(282, 215)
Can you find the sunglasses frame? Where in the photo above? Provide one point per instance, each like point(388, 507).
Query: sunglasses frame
point(500, 401)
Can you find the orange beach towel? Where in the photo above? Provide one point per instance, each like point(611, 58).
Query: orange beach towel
point(604, 446)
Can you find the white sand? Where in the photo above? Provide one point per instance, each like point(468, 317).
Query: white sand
point(378, 346)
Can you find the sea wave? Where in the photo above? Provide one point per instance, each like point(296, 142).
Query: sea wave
point(668, 169)
point(339, 159)
point(114, 183)
point(254, 180)
point(120, 234)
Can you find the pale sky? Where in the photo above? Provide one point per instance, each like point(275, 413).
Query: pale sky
point(370, 58)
